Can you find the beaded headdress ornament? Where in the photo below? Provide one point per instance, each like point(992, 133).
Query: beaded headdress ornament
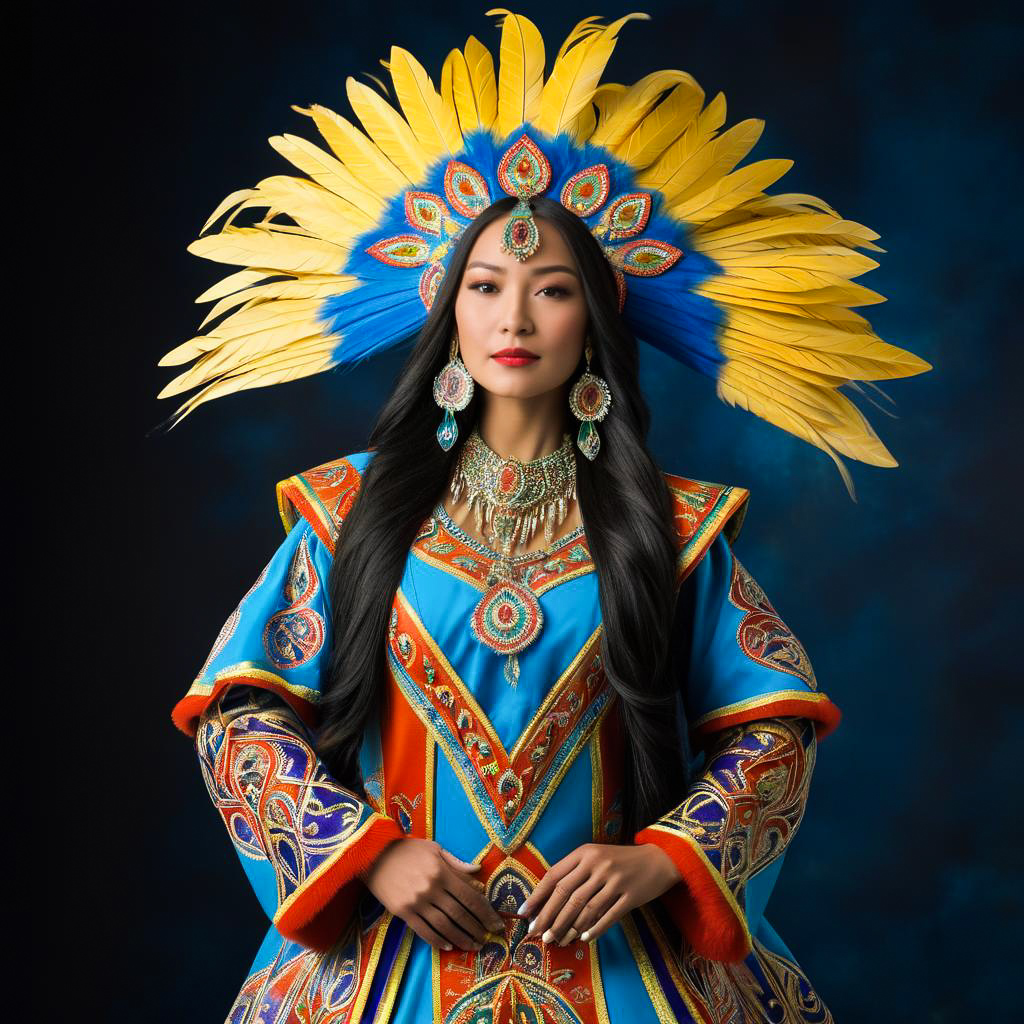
point(750, 289)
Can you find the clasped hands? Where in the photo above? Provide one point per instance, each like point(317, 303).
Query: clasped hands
point(582, 895)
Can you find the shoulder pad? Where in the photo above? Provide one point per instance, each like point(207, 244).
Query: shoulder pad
point(702, 510)
point(322, 495)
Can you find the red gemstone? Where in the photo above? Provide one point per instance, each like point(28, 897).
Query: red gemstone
point(508, 479)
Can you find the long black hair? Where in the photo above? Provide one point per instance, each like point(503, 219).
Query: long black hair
point(625, 507)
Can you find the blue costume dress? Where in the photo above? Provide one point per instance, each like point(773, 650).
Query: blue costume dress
point(511, 778)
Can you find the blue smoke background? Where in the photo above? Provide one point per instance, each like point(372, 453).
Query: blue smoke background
point(902, 887)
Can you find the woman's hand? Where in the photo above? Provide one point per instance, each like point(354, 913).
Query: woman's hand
point(586, 892)
point(431, 890)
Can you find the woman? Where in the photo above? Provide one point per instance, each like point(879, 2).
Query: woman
point(476, 770)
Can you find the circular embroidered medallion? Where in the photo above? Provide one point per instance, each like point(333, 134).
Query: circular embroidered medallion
point(507, 618)
point(294, 636)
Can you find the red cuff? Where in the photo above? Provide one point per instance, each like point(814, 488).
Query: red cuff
point(701, 905)
point(187, 712)
point(316, 913)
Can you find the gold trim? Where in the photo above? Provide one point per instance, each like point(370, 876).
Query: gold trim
point(429, 781)
point(371, 966)
point(646, 969)
point(762, 700)
point(672, 964)
point(252, 669)
point(387, 999)
point(597, 807)
point(600, 1001)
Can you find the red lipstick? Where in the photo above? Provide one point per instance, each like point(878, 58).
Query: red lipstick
point(515, 356)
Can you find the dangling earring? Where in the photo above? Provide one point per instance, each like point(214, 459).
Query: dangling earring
point(590, 400)
point(453, 388)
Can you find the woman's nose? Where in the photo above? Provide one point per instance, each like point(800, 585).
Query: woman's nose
point(515, 318)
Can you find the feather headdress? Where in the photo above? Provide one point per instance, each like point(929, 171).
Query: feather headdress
point(753, 290)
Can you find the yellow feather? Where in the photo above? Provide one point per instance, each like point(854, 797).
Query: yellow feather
point(633, 104)
point(659, 128)
point(467, 90)
point(849, 293)
point(231, 283)
point(307, 287)
point(699, 128)
point(607, 98)
point(816, 364)
point(485, 84)
point(277, 250)
point(713, 162)
point(796, 268)
point(388, 129)
point(374, 172)
point(752, 229)
point(216, 364)
point(767, 408)
point(520, 71)
point(732, 190)
point(230, 354)
point(575, 75)
point(434, 122)
point(305, 366)
point(314, 209)
point(327, 172)
point(814, 403)
point(793, 202)
point(225, 204)
point(582, 30)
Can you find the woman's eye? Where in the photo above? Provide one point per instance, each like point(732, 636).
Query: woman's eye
point(487, 284)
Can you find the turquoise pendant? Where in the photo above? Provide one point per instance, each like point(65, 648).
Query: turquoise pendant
point(448, 431)
point(588, 440)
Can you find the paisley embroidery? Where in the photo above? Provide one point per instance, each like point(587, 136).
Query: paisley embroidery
point(294, 635)
point(762, 635)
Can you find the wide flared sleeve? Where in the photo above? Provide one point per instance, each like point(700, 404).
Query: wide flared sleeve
point(738, 816)
point(755, 713)
point(302, 838)
point(276, 638)
point(744, 661)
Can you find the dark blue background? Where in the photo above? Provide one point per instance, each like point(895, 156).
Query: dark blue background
point(901, 890)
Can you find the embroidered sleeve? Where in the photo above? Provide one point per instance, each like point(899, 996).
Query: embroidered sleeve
point(302, 838)
point(738, 817)
point(744, 662)
point(278, 636)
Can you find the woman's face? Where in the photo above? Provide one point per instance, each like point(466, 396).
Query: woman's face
point(536, 305)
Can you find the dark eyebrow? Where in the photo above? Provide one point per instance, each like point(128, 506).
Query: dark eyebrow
point(535, 270)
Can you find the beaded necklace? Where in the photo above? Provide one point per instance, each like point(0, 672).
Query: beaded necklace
point(512, 497)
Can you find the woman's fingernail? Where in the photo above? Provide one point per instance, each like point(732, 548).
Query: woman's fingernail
point(522, 908)
point(447, 947)
point(530, 929)
point(584, 936)
point(547, 936)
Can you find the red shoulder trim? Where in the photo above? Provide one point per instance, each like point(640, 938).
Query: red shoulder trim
point(322, 496)
point(701, 511)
